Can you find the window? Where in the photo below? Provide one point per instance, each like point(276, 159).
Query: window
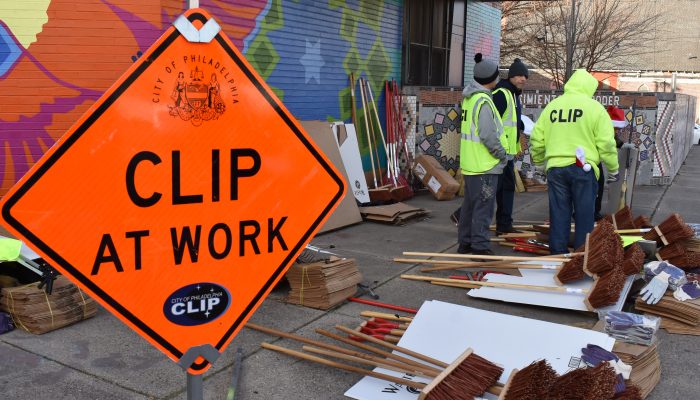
point(427, 32)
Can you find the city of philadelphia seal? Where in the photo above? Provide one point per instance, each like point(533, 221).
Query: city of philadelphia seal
point(195, 92)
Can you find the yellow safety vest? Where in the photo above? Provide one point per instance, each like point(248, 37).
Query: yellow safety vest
point(474, 157)
point(510, 123)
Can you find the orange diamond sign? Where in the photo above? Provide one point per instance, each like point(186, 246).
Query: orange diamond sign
point(181, 197)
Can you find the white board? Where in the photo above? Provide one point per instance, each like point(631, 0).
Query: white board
point(352, 160)
point(544, 277)
point(443, 331)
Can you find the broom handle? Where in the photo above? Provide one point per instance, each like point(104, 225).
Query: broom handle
point(460, 282)
point(353, 112)
point(334, 364)
point(373, 361)
point(369, 138)
point(555, 257)
point(391, 317)
point(393, 346)
point(414, 364)
point(461, 264)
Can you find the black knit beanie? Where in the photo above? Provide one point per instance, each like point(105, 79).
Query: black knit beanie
point(518, 68)
point(485, 71)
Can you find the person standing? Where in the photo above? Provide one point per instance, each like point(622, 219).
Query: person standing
point(482, 158)
point(573, 122)
point(506, 98)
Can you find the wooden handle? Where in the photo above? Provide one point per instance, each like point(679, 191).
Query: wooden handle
point(558, 257)
point(391, 317)
point(362, 358)
point(462, 264)
point(640, 230)
point(462, 283)
point(342, 366)
point(415, 364)
point(393, 347)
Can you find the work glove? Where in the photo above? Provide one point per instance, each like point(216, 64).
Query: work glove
point(539, 174)
point(655, 289)
point(594, 355)
point(613, 176)
point(689, 291)
point(676, 279)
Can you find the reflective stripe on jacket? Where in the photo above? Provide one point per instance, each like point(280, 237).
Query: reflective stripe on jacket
point(474, 156)
point(510, 123)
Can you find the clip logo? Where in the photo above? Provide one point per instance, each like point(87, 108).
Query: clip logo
point(196, 304)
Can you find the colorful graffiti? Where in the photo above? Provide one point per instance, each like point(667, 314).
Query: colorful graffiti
point(58, 56)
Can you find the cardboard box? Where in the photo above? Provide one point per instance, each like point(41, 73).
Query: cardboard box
point(440, 183)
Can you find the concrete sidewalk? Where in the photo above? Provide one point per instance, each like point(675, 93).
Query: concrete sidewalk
point(103, 359)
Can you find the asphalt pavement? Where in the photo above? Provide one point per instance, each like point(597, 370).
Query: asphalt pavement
point(101, 358)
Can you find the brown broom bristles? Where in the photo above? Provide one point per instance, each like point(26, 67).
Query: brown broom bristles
point(471, 378)
point(585, 384)
point(604, 249)
point(631, 392)
point(634, 260)
point(673, 228)
point(531, 383)
point(606, 289)
point(671, 251)
point(571, 271)
point(623, 218)
point(642, 221)
point(689, 260)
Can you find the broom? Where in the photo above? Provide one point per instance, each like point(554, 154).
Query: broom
point(634, 260)
point(642, 222)
point(571, 271)
point(671, 251)
point(603, 249)
point(672, 229)
point(631, 392)
point(606, 289)
point(465, 378)
point(530, 383)
point(622, 219)
point(689, 260)
point(585, 384)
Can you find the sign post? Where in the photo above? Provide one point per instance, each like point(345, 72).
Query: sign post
point(181, 197)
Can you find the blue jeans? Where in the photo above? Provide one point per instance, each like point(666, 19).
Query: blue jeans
point(571, 190)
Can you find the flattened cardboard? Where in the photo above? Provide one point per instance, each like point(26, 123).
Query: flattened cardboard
point(347, 212)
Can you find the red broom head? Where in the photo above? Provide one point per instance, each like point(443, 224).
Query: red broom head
point(689, 260)
point(570, 385)
point(634, 260)
point(603, 380)
point(606, 289)
point(672, 250)
point(571, 271)
point(642, 221)
point(673, 229)
point(631, 392)
point(601, 258)
point(470, 377)
point(531, 383)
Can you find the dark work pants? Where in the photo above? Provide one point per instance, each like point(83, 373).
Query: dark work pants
point(570, 189)
point(477, 210)
point(505, 195)
point(599, 195)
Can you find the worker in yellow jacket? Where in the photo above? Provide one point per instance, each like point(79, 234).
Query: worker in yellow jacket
point(573, 126)
point(482, 157)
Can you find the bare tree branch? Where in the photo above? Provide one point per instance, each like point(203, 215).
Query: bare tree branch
point(606, 33)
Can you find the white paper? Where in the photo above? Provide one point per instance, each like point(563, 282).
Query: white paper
point(543, 277)
point(352, 161)
point(434, 184)
point(444, 331)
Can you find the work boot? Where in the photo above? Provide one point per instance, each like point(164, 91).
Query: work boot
point(485, 252)
point(464, 248)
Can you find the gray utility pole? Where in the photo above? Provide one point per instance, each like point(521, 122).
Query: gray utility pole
point(570, 42)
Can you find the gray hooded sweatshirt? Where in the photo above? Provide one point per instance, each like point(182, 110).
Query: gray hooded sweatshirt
point(489, 132)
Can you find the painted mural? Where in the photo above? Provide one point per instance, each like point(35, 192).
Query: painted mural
point(58, 56)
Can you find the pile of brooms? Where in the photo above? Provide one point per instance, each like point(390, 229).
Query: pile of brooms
point(467, 377)
point(602, 258)
point(392, 186)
